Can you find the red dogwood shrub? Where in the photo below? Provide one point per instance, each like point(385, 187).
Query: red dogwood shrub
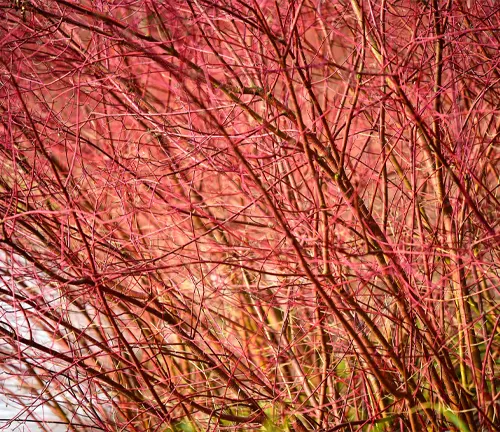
point(249, 215)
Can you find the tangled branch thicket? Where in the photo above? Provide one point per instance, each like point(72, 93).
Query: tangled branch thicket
point(250, 215)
